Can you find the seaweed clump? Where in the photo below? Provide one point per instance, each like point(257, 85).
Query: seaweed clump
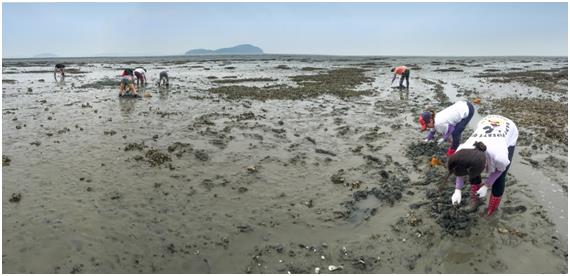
point(339, 82)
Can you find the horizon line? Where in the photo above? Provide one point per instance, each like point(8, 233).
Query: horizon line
point(281, 54)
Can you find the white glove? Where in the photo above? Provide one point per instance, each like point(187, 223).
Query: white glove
point(482, 192)
point(426, 140)
point(439, 141)
point(456, 197)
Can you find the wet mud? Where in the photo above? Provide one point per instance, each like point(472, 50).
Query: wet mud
point(274, 164)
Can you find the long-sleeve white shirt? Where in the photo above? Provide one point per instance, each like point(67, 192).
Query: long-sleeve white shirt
point(497, 133)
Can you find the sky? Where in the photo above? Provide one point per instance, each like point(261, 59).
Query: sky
point(400, 29)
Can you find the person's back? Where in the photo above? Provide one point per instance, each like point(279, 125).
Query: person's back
point(400, 70)
point(404, 74)
point(498, 133)
point(451, 115)
point(140, 70)
point(140, 74)
point(163, 78)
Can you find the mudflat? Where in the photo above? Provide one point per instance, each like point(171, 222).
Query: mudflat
point(275, 164)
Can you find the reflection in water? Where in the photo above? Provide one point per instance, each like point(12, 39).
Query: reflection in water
point(404, 94)
point(127, 106)
point(60, 82)
point(163, 93)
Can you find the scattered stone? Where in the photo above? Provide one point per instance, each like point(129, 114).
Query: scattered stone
point(201, 155)
point(244, 228)
point(115, 196)
point(156, 158)
point(322, 151)
point(5, 160)
point(135, 146)
point(311, 140)
point(338, 178)
point(15, 197)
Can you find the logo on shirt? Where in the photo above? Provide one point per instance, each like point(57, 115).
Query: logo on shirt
point(495, 122)
point(490, 128)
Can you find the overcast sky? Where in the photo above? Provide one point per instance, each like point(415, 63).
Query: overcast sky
point(424, 29)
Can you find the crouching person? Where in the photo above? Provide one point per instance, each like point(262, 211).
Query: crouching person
point(490, 148)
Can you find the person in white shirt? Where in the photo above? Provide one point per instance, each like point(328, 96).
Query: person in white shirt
point(449, 122)
point(140, 74)
point(491, 148)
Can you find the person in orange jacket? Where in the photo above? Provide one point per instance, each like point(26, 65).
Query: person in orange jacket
point(404, 73)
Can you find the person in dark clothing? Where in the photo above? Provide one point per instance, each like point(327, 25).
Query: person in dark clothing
point(163, 79)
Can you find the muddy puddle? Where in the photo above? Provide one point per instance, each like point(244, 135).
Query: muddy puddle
point(274, 164)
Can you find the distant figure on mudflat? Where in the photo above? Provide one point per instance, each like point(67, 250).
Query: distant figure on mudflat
point(404, 73)
point(163, 79)
point(140, 74)
point(59, 68)
point(127, 86)
point(450, 122)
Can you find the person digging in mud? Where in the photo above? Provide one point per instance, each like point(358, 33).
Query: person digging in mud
point(491, 148)
point(449, 122)
point(140, 74)
point(163, 79)
point(60, 68)
point(404, 73)
point(127, 86)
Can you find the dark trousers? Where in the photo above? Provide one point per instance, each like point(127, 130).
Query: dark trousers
point(405, 75)
point(140, 78)
point(460, 127)
point(499, 185)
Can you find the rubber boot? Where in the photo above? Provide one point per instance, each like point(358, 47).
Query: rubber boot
point(494, 202)
point(450, 152)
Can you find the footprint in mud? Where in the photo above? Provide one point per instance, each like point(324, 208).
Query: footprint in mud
point(364, 209)
point(181, 148)
point(514, 210)
point(365, 203)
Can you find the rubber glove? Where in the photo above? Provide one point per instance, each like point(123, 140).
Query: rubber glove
point(456, 197)
point(482, 192)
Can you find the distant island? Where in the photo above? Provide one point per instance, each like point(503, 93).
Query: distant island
point(244, 49)
point(45, 55)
